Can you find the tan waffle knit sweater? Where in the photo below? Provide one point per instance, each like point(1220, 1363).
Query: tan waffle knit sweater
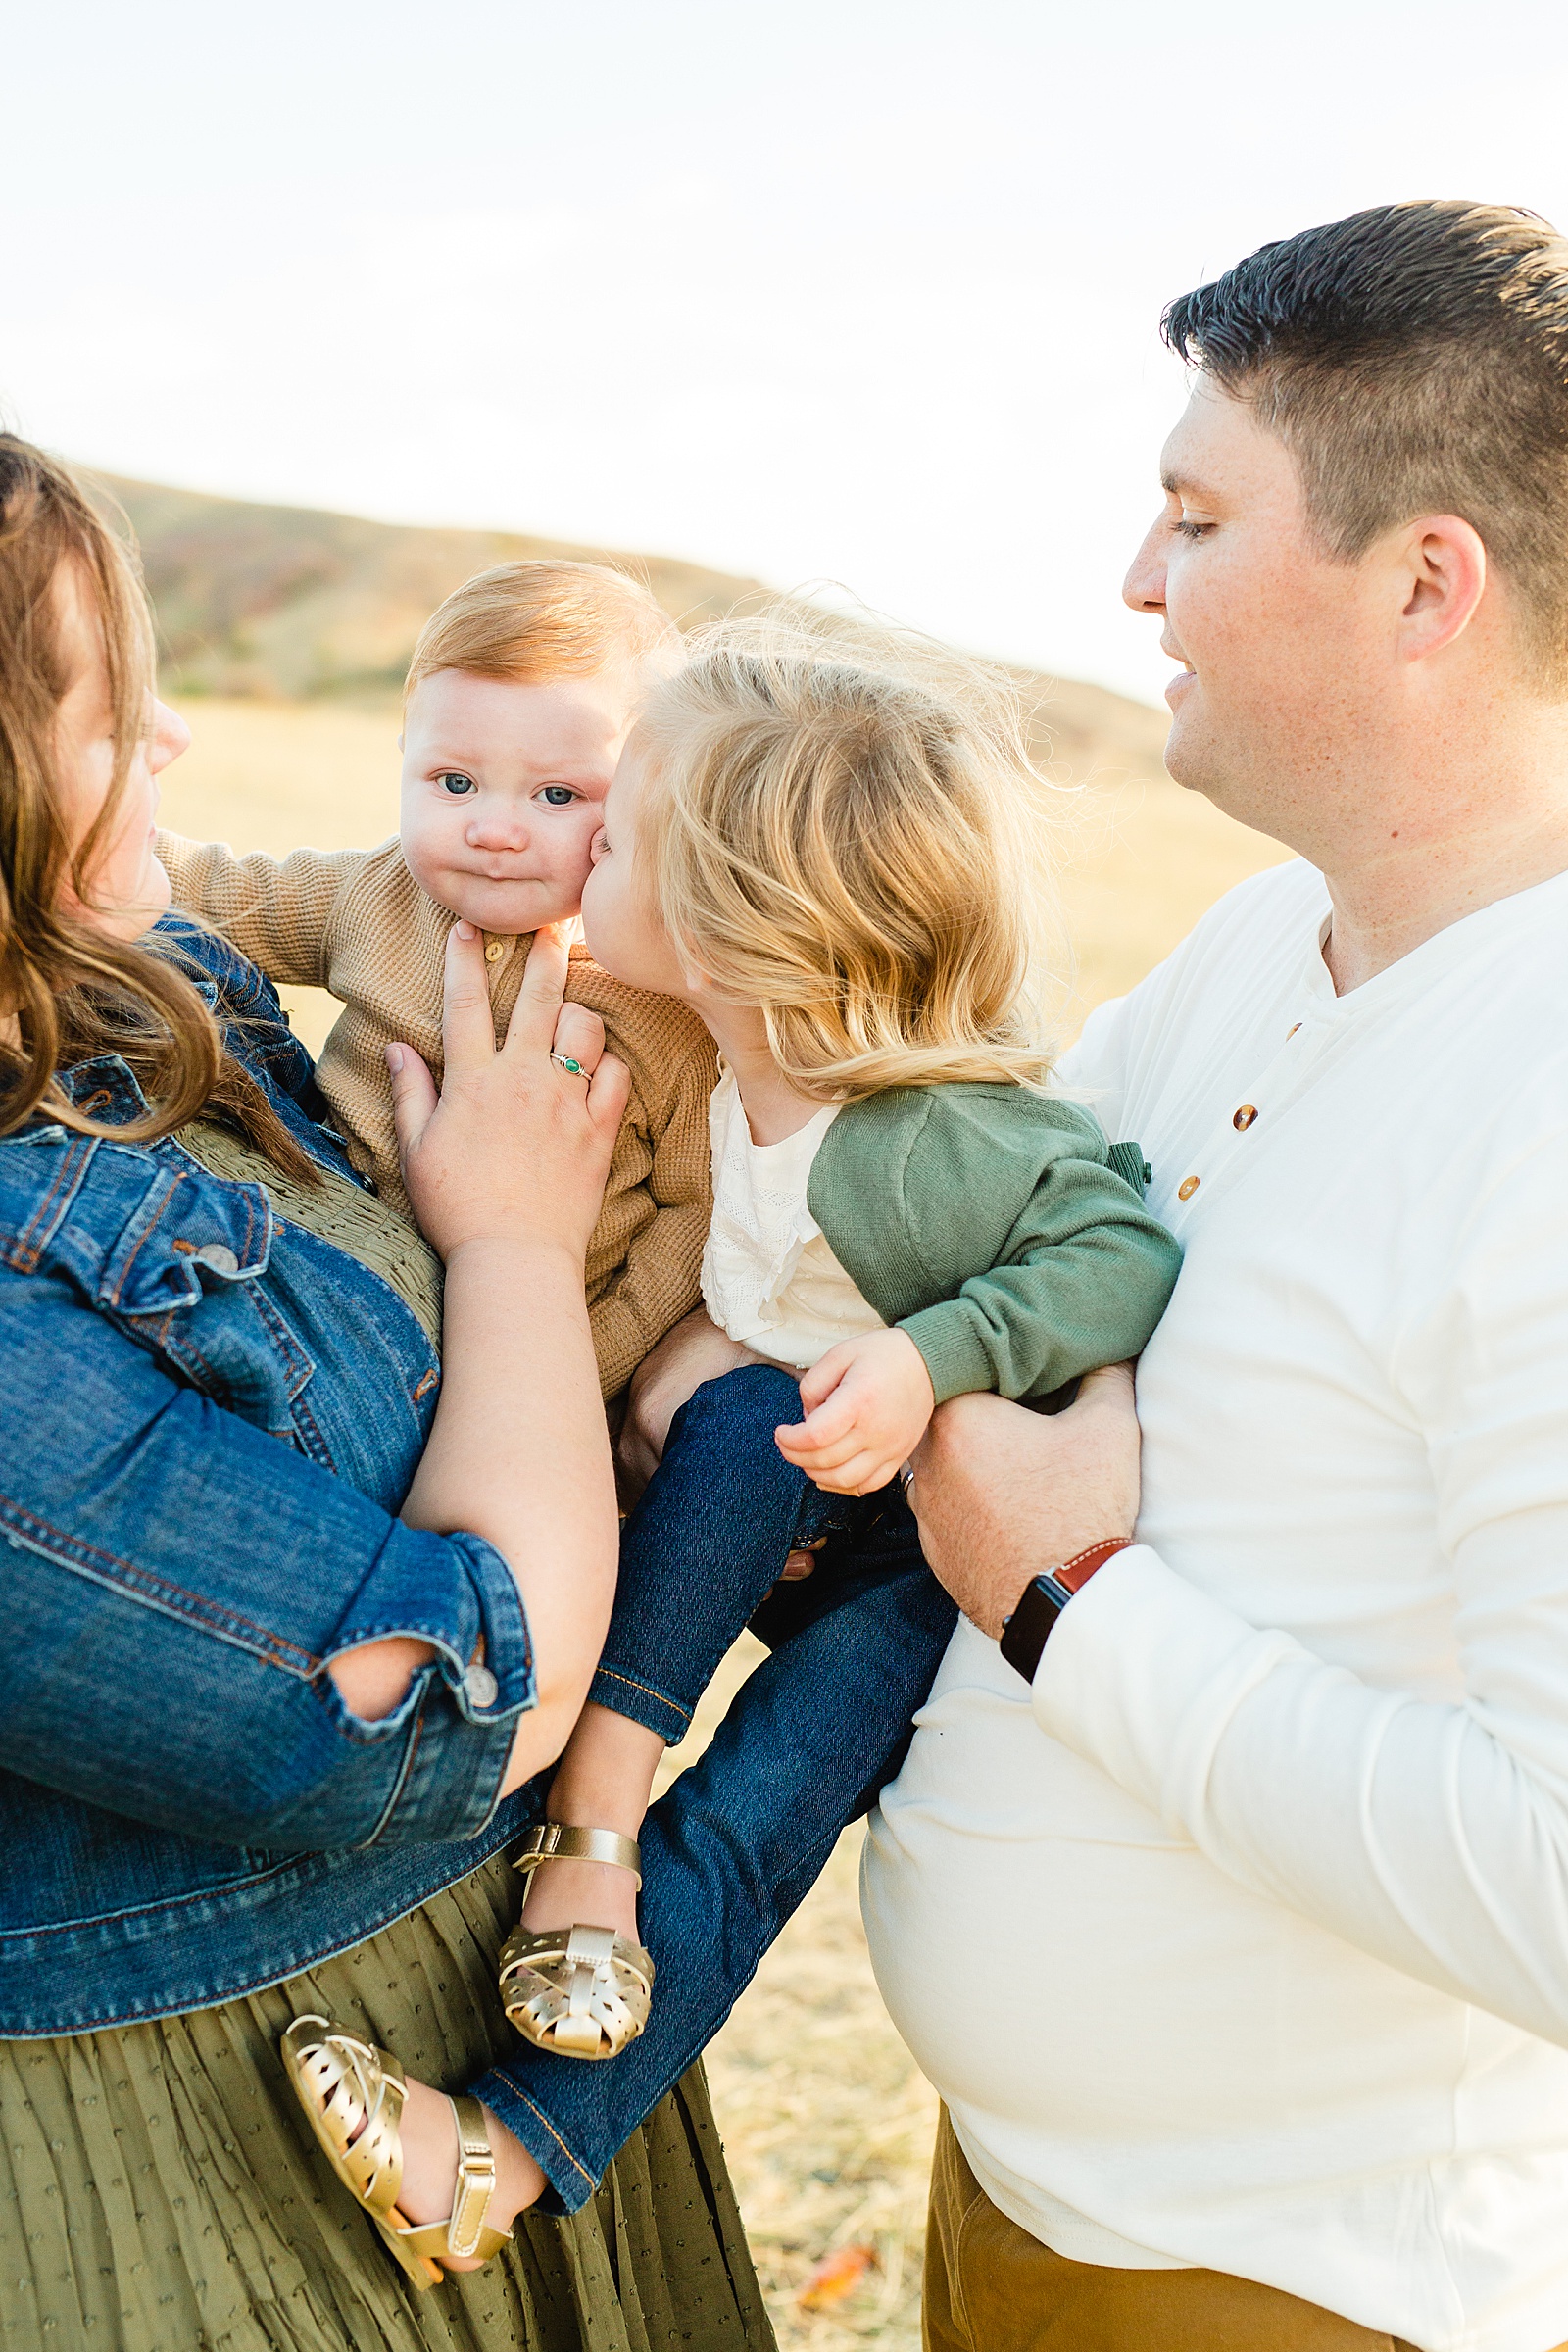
point(356, 923)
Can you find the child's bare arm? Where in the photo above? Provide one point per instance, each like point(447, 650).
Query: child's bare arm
point(277, 911)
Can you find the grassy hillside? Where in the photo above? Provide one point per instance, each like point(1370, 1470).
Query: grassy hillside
point(292, 604)
point(289, 602)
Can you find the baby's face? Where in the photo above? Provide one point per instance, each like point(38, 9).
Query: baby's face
point(504, 788)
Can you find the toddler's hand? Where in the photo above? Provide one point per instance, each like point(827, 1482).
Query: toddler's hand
point(866, 1402)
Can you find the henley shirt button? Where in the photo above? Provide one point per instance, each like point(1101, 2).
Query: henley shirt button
point(1188, 1187)
point(1244, 1116)
point(219, 1257)
point(482, 1687)
point(495, 950)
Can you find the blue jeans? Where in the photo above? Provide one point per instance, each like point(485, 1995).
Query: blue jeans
point(809, 1743)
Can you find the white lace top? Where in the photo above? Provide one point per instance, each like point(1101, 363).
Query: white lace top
point(768, 1276)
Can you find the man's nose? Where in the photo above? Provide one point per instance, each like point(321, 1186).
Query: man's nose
point(1144, 588)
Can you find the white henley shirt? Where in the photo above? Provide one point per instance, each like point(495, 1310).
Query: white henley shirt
point(1243, 1939)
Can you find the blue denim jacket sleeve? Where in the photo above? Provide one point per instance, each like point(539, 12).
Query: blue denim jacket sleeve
point(176, 1582)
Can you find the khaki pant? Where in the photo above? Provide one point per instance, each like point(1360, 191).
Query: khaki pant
point(992, 2287)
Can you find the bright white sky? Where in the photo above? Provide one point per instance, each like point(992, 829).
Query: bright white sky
point(853, 289)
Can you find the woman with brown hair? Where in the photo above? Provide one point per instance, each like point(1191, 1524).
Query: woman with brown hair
point(302, 1596)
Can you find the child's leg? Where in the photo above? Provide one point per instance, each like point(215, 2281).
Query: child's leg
point(705, 1543)
point(703, 1546)
point(732, 1849)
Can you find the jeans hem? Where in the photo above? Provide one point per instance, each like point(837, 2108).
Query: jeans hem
point(570, 2184)
point(622, 1694)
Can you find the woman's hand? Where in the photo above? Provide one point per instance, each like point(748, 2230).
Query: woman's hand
point(513, 1148)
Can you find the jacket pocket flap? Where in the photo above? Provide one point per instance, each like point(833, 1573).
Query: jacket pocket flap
point(189, 1233)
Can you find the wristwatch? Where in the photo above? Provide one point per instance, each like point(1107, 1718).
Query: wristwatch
point(1025, 1632)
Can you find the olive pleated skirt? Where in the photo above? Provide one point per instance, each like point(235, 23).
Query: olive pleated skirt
point(161, 2191)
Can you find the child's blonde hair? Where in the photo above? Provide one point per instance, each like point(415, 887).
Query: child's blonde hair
point(528, 623)
point(843, 827)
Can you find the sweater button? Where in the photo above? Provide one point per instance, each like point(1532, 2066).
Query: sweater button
point(495, 950)
point(1244, 1117)
point(1188, 1187)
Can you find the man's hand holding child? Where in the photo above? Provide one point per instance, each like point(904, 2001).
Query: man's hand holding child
point(867, 1404)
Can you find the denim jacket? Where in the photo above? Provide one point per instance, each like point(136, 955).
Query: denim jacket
point(211, 1420)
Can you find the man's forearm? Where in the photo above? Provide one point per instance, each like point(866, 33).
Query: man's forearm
point(1001, 1492)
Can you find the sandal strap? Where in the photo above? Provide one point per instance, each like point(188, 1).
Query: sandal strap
point(477, 2177)
point(560, 1842)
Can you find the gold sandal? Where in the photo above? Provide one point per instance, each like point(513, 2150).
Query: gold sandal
point(583, 1992)
point(343, 2084)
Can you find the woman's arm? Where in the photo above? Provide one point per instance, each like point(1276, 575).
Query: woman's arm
point(177, 1586)
point(205, 1630)
point(520, 1452)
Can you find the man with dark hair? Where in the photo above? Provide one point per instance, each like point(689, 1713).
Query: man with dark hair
point(1226, 1901)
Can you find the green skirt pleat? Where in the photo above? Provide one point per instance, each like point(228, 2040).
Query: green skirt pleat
point(160, 2190)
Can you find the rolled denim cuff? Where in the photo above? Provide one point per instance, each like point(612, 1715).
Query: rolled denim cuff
point(635, 1698)
point(458, 1593)
point(571, 2184)
point(459, 1714)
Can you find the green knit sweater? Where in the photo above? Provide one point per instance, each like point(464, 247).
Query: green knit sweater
point(998, 1229)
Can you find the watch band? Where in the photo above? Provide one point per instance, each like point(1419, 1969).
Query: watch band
point(1026, 1632)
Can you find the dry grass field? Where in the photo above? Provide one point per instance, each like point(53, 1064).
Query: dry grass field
point(827, 2123)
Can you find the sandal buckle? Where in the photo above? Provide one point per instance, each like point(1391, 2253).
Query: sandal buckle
point(475, 2187)
point(477, 2177)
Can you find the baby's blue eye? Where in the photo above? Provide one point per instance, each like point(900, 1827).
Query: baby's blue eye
point(455, 782)
point(557, 796)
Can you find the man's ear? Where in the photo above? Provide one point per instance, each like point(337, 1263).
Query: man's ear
point(1443, 565)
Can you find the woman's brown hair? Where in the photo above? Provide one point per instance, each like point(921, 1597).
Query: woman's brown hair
point(73, 992)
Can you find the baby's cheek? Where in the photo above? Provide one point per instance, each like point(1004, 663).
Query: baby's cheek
point(429, 837)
